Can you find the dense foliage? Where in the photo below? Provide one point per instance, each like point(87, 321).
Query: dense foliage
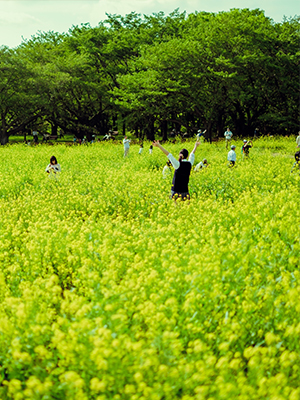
point(109, 290)
point(151, 74)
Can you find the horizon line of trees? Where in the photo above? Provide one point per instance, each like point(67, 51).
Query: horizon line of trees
point(155, 73)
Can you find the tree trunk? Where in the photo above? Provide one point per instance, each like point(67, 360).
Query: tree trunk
point(3, 133)
point(164, 128)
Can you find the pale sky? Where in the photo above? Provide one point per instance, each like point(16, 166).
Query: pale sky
point(23, 18)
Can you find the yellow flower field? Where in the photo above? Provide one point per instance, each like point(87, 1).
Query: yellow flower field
point(109, 290)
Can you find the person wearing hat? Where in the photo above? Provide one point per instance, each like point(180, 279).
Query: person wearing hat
point(232, 156)
point(246, 147)
point(126, 142)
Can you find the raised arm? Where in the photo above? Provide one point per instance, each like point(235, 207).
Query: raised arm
point(195, 147)
point(157, 144)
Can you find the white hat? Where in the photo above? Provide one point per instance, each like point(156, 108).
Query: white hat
point(233, 146)
point(245, 141)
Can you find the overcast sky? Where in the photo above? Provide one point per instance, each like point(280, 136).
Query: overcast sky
point(24, 18)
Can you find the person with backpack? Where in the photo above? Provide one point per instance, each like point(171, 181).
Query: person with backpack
point(182, 171)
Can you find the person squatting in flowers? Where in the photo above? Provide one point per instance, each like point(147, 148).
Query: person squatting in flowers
point(182, 171)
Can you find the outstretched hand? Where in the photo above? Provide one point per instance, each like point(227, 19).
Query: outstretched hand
point(156, 143)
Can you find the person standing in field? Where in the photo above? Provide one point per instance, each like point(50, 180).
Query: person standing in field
point(231, 156)
point(200, 134)
point(126, 142)
point(151, 149)
point(246, 147)
point(298, 139)
point(141, 149)
point(53, 167)
point(228, 136)
point(182, 172)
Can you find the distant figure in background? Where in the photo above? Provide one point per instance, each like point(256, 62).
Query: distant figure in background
point(53, 167)
point(297, 161)
point(151, 149)
point(228, 136)
point(201, 165)
point(200, 134)
point(167, 169)
point(35, 136)
point(126, 142)
point(246, 147)
point(298, 140)
point(141, 149)
point(231, 156)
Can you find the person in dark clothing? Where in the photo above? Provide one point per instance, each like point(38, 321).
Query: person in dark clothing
point(182, 172)
point(297, 161)
point(247, 145)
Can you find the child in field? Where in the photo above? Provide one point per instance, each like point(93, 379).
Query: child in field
point(246, 147)
point(151, 149)
point(297, 161)
point(201, 165)
point(167, 170)
point(182, 172)
point(141, 149)
point(53, 167)
point(231, 156)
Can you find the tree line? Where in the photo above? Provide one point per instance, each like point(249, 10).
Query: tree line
point(153, 73)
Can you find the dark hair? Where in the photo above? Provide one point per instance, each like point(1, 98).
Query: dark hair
point(53, 158)
point(183, 154)
point(297, 156)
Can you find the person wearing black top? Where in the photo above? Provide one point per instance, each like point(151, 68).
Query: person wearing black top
point(182, 170)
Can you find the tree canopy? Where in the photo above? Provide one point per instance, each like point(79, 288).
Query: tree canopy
point(149, 74)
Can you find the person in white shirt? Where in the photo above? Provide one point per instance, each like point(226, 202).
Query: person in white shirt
point(228, 136)
point(231, 156)
point(141, 149)
point(126, 146)
point(182, 172)
point(167, 170)
point(151, 149)
point(53, 167)
point(298, 139)
point(200, 134)
point(201, 165)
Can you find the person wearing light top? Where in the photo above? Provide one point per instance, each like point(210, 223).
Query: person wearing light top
point(298, 139)
point(167, 170)
point(53, 167)
point(151, 149)
point(200, 134)
point(201, 165)
point(141, 149)
point(231, 156)
point(228, 136)
point(126, 146)
point(182, 172)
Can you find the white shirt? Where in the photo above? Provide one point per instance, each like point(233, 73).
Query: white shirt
point(53, 168)
point(199, 166)
point(166, 171)
point(298, 141)
point(231, 156)
point(126, 144)
point(141, 150)
point(228, 135)
point(176, 163)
